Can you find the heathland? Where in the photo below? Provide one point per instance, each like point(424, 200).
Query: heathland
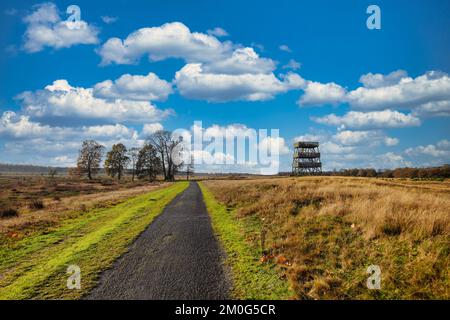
point(322, 233)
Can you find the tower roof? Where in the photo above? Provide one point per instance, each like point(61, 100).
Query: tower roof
point(306, 144)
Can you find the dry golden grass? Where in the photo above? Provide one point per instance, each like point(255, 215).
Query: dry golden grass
point(326, 231)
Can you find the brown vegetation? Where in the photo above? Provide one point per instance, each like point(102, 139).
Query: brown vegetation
point(41, 202)
point(325, 231)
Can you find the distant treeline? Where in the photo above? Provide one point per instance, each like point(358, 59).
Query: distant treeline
point(28, 168)
point(412, 173)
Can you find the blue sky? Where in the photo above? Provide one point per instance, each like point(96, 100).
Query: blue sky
point(312, 69)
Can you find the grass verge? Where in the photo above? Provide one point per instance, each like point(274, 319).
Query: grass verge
point(252, 279)
point(36, 267)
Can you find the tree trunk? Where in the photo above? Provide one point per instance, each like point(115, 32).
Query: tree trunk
point(89, 170)
point(163, 165)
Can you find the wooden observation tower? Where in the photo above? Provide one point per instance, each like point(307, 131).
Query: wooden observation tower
point(306, 158)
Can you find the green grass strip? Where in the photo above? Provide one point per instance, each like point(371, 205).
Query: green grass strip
point(94, 247)
point(251, 278)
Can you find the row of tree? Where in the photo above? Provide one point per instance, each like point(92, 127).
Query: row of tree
point(157, 156)
point(412, 173)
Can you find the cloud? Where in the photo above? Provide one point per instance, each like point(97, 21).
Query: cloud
point(28, 141)
point(441, 149)
point(390, 142)
point(20, 127)
point(218, 32)
point(171, 40)
point(134, 87)
point(434, 109)
point(194, 83)
point(390, 160)
point(374, 119)
point(427, 95)
point(292, 64)
point(317, 93)
point(149, 128)
point(364, 138)
point(251, 150)
point(175, 40)
point(46, 29)
point(311, 137)
point(62, 101)
point(405, 92)
point(329, 147)
point(108, 19)
point(215, 71)
point(270, 142)
point(241, 61)
point(285, 48)
point(209, 158)
point(379, 80)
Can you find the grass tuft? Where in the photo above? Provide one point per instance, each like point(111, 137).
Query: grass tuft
point(8, 213)
point(36, 204)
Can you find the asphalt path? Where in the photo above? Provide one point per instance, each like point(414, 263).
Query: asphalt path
point(176, 257)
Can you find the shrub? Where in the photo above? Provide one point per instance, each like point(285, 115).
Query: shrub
point(36, 204)
point(8, 213)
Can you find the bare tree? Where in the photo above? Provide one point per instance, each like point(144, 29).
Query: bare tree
point(167, 149)
point(190, 168)
point(148, 163)
point(52, 172)
point(89, 158)
point(133, 154)
point(116, 160)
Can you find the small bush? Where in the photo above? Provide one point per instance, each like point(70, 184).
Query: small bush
point(57, 198)
point(36, 204)
point(8, 213)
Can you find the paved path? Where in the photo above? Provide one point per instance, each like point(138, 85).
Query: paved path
point(176, 257)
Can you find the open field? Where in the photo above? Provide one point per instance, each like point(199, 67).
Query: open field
point(323, 233)
point(60, 197)
point(88, 230)
point(284, 237)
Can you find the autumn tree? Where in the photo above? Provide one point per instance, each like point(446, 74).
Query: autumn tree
point(168, 150)
point(89, 158)
point(148, 164)
point(116, 161)
point(133, 154)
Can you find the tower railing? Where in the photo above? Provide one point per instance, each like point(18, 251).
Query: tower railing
point(306, 160)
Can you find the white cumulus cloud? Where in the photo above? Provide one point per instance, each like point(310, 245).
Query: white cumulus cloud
point(406, 92)
point(194, 83)
point(134, 87)
point(62, 101)
point(46, 29)
point(317, 93)
point(171, 40)
point(374, 119)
